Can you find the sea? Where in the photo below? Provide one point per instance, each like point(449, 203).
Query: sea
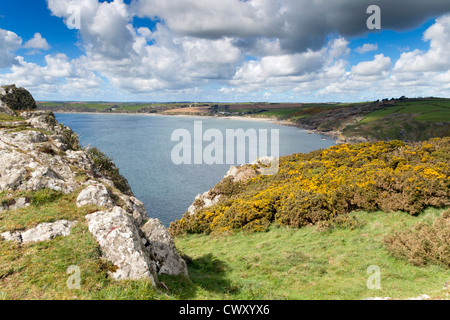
point(146, 149)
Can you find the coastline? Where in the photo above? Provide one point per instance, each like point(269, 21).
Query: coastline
point(238, 118)
point(332, 135)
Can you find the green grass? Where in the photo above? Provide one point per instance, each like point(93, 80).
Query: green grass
point(379, 114)
point(95, 106)
point(279, 264)
point(282, 113)
point(39, 270)
point(442, 115)
point(243, 110)
point(132, 107)
point(427, 110)
point(102, 107)
point(49, 104)
point(47, 206)
point(306, 264)
point(5, 117)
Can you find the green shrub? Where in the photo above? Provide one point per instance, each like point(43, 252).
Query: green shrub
point(109, 169)
point(344, 221)
point(45, 196)
point(227, 187)
point(18, 98)
point(70, 137)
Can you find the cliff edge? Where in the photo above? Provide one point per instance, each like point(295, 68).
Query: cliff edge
point(38, 155)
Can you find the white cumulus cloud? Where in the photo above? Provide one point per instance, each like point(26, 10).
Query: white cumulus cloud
point(9, 44)
point(367, 47)
point(37, 42)
point(437, 58)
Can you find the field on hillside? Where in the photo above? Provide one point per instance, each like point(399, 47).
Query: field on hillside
point(428, 110)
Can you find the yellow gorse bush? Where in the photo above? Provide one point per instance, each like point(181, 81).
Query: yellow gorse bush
point(323, 184)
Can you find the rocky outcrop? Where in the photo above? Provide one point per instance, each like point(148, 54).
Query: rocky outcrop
point(95, 194)
point(15, 204)
point(262, 166)
point(135, 208)
point(122, 244)
point(16, 98)
point(6, 110)
point(43, 232)
point(162, 248)
point(38, 153)
point(30, 162)
point(203, 201)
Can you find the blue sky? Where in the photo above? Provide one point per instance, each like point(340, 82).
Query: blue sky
point(225, 50)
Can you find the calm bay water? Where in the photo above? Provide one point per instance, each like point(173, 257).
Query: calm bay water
point(141, 147)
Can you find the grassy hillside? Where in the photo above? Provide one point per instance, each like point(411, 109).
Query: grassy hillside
point(282, 263)
point(423, 110)
point(312, 230)
point(39, 270)
point(411, 120)
point(307, 263)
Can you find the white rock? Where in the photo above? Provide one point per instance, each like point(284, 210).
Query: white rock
point(231, 172)
point(12, 169)
point(265, 160)
point(162, 249)
point(48, 231)
point(136, 208)
point(19, 203)
point(79, 159)
point(121, 243)
point(11, 236)
point(44, 121)
point(207, 201)
point(47, 176)
point(421, 297)
point(95, 194)
point(43, 232)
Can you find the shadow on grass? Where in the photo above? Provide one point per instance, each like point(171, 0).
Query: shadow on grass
point(206, 273)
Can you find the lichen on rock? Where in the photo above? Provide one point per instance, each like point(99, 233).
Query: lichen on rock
point(121, 243)
point(162, 248)
point(42, 232)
